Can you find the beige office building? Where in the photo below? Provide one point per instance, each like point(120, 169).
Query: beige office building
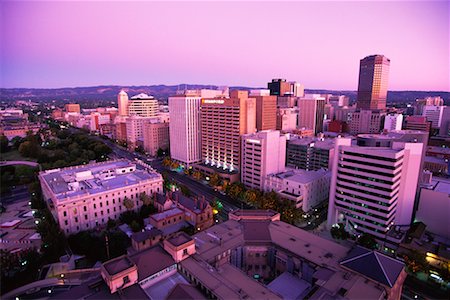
point(156, 136)
point(222, 122)
point(143, 105)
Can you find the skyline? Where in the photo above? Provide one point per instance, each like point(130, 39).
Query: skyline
point(119, 44)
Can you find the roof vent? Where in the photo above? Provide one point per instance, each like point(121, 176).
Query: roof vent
point(307, 245)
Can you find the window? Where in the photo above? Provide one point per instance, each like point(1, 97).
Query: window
point(126, 280)
point(85, 208)
point(76, 219)
point(95, 206)
point(65, 214)
point(66, 222)
point(185, 252)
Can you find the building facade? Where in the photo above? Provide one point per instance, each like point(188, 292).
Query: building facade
point(311, 112)
point(310, 153)
point(122, 103)
point(263, 153)
point(279, 87)
point(223, 121)
point(374, 188)
point(143, 105)
point(393, 122)
point(266, 109)
point(156, 136)
point(373, 82)
point(366, 121)
point(85, 197)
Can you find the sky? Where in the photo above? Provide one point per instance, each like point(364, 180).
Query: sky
point(81, 43)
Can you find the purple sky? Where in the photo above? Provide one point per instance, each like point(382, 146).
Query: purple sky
point(51, 44)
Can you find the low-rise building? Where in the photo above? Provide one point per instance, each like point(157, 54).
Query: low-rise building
point(307, 189)
point(85, 197)
point(309, 153)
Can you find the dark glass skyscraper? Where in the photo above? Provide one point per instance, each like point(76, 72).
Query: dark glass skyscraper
point(373, 81)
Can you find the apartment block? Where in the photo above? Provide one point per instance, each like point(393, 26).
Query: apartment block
point(393, 122)
point(366, 121)
point(374, 188)
point(311, 112)
point(263, 153)
point(306, 189)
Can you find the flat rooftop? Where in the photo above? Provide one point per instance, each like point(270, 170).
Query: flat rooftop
point(117, 265)
point(302, 176)
point(166, 214)
point(321, 143)
point(95, 178)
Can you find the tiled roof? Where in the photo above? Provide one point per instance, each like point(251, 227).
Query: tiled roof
point(374, 265)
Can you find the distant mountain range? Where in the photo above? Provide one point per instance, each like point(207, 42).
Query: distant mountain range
point(162, 92)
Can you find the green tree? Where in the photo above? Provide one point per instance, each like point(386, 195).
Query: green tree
point(367, 240)
point(214, 179)
point(236, 190)
point(185, 190)
point(128, 203)
point(197, 175)
point(270, 201)
point(166, 161)
point(289, 213)
point(135, 226)
point(253, 197)
point(146, 199)
point(3, 143)
point(338, 232)
point(29, 149)
point(416, 261)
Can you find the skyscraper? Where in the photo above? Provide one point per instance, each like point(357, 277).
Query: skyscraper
point(122, 102)
point(373, 82)
point(279, 87)
point(184, 128)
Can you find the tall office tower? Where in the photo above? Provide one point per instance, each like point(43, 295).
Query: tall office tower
point(287, 119)
point(297, 89)
point(373, 82)
point(433, 113)
point(373, 188)
point(155, 136)
point(309, 153)
point(366, 121)
point(266, 109)
point(223, 121)
point(417, 123)
point(421, 103)
point(143, 105)
point(279, 87)
point(122, 103)
point(311, 112)
point(72, 107)
point(184, 127)
point(263, 153)
point(393, 122)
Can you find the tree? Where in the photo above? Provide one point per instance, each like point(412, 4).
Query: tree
point(185, 190)
point(214, 179)
point(111, 224)
point(270, 201)
point(146, 200)
point(253, 197)
point(135, 226)
point(338, 231)
point(128, 203)
point(166, 161)
point(161, 152)
point(197, 175)
point(416, 261)
point(29, 149)
point(367, 240)
point(289, 213)
point(236, 190)
point(3, 143)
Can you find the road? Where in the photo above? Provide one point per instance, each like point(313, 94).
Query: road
point(194, 186)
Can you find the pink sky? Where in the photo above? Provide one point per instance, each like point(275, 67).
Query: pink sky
point(51, 44)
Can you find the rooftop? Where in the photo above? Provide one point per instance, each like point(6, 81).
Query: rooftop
point(321, 143)
point(150, 261)
point(95, 178)
point(180, 239)
point(118, 264)
point(166, 214)
point(145, 235)
point(302, 176)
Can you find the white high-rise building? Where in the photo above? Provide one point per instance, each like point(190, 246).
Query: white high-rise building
point(184, 127)
point(433, 113)
point(297, 89)
point(373, 188)
point(122, 103)
point(393, 122)
point(143, 105)
point(263, 153)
